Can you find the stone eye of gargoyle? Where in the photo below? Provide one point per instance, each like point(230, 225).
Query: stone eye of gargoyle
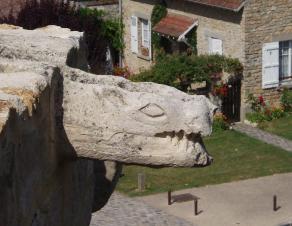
point(152, 110)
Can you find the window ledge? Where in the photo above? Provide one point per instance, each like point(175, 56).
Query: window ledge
point(144, 57)
point(286, 83)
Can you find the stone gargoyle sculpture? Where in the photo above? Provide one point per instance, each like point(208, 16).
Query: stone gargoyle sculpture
point(64, 132)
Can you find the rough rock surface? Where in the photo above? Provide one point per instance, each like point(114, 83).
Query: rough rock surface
point(110, 118)
point(51, 113)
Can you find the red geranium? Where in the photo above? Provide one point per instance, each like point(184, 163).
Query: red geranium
point(262, 101)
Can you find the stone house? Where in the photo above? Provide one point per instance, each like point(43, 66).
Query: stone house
point(257, 32)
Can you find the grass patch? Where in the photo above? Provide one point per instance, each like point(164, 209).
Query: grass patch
point(237, 157)
point(281, 127)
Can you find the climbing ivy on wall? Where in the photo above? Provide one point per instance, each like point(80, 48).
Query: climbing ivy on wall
point(159, 11)
point(192, 40)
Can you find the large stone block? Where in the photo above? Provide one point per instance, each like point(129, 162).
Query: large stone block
point(58, 125)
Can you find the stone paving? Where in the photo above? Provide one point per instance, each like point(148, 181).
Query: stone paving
point(264, 136)
point(124, 211)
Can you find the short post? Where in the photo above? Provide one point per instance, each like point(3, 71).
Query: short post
point(196, 207)
point(169, 197)
point(141, 182)
point(275, 206)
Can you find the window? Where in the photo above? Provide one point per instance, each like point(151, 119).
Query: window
point(276, 63)
point(215, 46)
point(145, 33)
point(285, 60)
point(141, 37)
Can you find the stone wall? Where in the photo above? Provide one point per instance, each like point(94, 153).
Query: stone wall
point(42, 182)
point(213, 22)
point(266, 21)
point(10, 6)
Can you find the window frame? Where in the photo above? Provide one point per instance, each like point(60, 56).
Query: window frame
point(143, 25)
point(289, 65)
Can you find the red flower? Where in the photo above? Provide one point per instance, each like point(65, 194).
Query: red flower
point(262, 101)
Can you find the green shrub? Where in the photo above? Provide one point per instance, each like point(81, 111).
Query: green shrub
point(220, 122)
point(256, 117)
point(286, 100)
point(181, 70)
point(159, 11)
point(277, 113)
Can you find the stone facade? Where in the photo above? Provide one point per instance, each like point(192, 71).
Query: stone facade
point(226, 26)
point(266, 21)
point(243, 34)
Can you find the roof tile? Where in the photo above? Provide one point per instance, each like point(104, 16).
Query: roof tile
point(174, 25)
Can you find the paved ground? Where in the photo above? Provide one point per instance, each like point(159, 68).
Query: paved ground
point(124, 211)
point(245, 203)
point(264, 136)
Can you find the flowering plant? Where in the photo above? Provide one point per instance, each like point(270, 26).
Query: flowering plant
point(220, 122)
point(220, 90)
point(122, 72)
point(263, 111)
point(257, 104)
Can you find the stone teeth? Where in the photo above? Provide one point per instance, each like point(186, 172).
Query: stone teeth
point(169, 138)
point(175, 141)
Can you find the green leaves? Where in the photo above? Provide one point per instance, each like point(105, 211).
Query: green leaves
point(181, 70)
point(159, 11)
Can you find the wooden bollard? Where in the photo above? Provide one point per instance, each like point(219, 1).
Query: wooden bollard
point(169, 197)
point(275, 206)
point(196, 207)
point(141, 182)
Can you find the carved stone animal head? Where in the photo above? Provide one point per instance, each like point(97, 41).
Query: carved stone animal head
point(111, 118)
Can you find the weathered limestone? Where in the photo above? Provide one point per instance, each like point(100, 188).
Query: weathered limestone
point(51, 113)
point(110, 118)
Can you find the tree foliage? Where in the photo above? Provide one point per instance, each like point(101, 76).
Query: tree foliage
point(159, 11)
point(99, 32)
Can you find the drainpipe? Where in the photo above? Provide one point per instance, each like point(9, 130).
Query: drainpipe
point(121, 24)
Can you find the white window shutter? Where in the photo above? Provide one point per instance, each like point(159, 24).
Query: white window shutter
point(134, 34)
point(215, 46)
point(270, 65)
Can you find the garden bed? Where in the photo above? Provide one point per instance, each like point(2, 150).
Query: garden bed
point(281, 127)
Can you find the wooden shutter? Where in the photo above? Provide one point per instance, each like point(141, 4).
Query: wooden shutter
point(215, 46)
point(270, 65)
point(134, 34)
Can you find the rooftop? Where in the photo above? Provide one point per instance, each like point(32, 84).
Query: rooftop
point(174, 25)
point(234, 5)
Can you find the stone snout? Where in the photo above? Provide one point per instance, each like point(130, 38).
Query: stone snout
point(110, 118)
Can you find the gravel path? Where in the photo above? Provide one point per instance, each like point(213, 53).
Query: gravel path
point(264, 136)
point(124, 211)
